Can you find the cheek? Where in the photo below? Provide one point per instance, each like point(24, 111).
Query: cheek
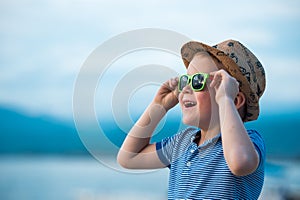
point(204, 102)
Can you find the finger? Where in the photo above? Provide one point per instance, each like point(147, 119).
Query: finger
point(216, 78)
point(173, 82)
point(210, 79)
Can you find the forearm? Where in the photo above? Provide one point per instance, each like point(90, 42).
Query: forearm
point(239, 150)
point(139, 136)
point(136, 151)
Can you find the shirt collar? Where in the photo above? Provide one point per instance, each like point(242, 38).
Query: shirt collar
point(208, 142)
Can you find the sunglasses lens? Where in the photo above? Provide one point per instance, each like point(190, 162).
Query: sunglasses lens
point(198, 81)
point(183, 82)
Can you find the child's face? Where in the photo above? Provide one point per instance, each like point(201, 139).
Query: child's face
point(200, 108)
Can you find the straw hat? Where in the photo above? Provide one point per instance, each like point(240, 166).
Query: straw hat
point(240, 63)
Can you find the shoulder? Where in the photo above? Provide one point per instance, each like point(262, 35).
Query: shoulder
point(252, 131)
point(185, 135)
point(255, 136)
point(171, 146)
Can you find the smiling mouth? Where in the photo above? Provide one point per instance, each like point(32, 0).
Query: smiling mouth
point(188, 104)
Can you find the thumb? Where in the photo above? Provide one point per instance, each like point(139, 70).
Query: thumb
point(215, 78)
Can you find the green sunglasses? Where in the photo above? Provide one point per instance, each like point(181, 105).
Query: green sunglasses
point(196, 81)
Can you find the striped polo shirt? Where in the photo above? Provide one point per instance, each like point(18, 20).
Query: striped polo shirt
point(201, 172)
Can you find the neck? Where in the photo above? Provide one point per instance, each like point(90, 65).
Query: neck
point(210, 129)
point(208, 134)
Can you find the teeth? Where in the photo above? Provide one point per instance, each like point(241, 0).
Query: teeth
point(189, 104)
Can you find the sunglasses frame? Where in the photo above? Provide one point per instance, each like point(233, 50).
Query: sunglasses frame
point(190, 80)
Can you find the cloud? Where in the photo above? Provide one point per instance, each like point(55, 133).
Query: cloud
point(45, 43)
point(282, 74)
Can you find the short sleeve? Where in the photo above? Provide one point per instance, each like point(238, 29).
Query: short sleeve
point(259, 146)
point(164, 149)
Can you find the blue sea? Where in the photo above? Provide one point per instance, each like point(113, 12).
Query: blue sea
point(75, 178)
point(85, 178)
point(44, 158)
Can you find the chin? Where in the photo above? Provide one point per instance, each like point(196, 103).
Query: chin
point(190, 122)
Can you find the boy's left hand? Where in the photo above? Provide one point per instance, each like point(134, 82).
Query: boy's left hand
point(224, 85)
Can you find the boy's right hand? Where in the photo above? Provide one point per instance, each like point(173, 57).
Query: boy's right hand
point(167, 95)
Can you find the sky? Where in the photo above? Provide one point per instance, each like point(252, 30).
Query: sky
point(44, 45)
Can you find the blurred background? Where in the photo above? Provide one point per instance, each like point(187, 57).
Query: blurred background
point(43, 47)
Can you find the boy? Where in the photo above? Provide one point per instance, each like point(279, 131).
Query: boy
point(215, 158)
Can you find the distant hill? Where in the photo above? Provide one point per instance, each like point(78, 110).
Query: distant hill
point(23, 134)
point(20, 133)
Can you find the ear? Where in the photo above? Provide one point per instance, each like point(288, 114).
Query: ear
point(240, 100)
